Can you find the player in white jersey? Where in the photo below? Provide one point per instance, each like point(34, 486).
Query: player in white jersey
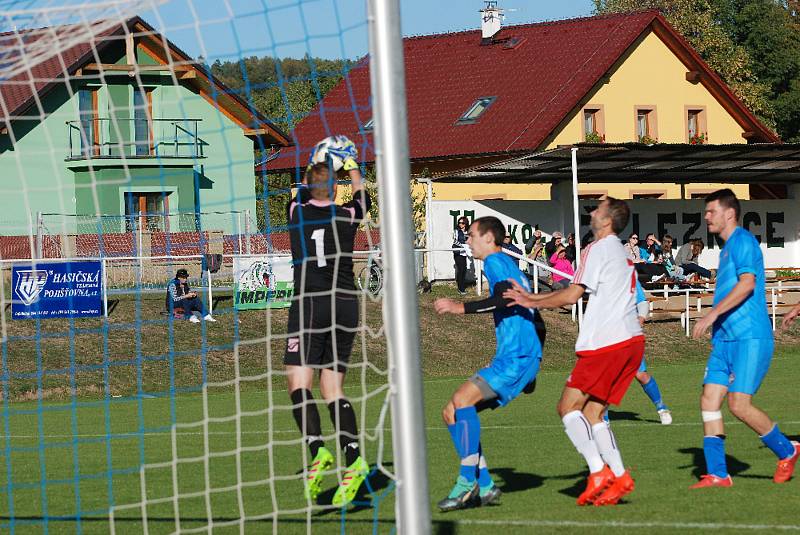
point(610, 347)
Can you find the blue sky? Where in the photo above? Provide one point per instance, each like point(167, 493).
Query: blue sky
point(230, 29)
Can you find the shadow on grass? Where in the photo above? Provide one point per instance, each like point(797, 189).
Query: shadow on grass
point(513, 481)
point(698, 464)
point(617, 416)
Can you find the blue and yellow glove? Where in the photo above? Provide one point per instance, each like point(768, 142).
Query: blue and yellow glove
point(346, 151)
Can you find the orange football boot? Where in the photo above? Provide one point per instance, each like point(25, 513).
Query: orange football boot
point(710, 480)
point(596, 483)
point(785, 469)
point(620, 487)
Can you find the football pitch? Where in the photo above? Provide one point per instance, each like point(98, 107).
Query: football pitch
point(68, 448)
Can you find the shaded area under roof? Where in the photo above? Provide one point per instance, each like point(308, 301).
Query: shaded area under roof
point(636, 162)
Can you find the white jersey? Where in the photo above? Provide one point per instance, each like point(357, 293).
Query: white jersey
point(610, 280)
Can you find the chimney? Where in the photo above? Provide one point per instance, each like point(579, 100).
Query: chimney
point(491, 21)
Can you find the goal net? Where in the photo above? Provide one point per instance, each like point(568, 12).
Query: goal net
point(138, 138)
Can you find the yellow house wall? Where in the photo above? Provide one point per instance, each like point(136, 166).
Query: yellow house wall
point(651, 75)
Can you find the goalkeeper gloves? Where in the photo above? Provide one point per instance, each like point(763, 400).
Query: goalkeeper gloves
point(346, 151)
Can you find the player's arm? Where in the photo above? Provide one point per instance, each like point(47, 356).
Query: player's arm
point(481, 306)
point(520, 296)
point(790, 317)
point(740, 292)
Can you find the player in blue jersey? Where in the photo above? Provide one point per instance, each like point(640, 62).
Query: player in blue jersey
point(645, 379)
point(742, 346)
point(513, 369)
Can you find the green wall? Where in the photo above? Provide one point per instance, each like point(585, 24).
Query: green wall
point(36, 177)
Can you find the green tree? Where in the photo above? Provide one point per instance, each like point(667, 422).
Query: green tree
point(771, 36)
point(699, 22)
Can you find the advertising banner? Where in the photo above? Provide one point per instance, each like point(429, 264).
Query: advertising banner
point(774, 223)
point(57, 290)
point(262, 282)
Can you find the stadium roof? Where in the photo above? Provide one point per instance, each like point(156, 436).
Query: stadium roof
point(637, 162)
point(22, 93)
point(538, 74)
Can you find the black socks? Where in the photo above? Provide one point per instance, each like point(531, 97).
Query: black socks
point(307, 417)
point(347, 427)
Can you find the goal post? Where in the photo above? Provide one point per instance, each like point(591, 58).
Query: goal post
point(401, 318)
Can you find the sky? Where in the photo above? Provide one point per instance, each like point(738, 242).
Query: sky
point(231, 29)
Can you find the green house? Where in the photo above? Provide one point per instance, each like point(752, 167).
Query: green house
point(121, 132)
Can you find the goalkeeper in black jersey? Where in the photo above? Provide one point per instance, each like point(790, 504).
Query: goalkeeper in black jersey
point(323, 317)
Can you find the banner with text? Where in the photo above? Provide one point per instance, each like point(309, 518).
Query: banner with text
point(263, 282)
point(774, 223)
point(57, 290)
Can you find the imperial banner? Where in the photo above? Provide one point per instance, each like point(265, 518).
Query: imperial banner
point(262, 282)
point(57, 290)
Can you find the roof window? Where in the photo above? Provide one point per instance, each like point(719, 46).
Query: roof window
point(476, 110)
point(369, 125)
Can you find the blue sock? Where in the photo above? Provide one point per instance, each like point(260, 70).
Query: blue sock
point(484, 478)
point(714, 451)
point(651, 389)
point(778, 443)
point(468, 435)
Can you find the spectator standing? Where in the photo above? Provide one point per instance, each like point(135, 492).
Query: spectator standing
point(180, 295)
point(510, 246)
point(553, 244)
point(570, 249)
point(460, 253)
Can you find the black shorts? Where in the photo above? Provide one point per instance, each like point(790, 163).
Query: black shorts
point(324, 338)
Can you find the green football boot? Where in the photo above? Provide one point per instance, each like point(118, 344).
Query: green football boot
point(462, 496)
point(354, 476)
point(489, 494)
point(322, 462)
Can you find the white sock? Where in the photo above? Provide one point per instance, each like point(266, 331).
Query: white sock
point(607, 444)
point(580, 433)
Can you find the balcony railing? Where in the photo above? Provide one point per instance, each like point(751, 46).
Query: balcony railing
point(104, 138)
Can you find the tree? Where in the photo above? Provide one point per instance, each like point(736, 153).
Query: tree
point(698, 22)
point(769, 33)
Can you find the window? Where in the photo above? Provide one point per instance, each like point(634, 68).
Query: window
point(642, 124)
point(696, 128)
point(151, 208)
point(589, 121)
point(593, 124)
point(143, 121)
point(590, 196)
point(475, 111)
point(369, 125)
point(90, 133)
point(649, 195)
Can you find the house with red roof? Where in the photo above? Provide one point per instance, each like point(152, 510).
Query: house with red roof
point(484, 96)
point(116, 126)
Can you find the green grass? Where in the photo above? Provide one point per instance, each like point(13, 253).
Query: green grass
point(81, 453)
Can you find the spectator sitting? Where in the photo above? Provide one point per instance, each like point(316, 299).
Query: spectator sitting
point(560, 262)
point(553, 244)
point(689, 258)
point(635, 253)
point(179, 295)
point(653, 249)
point(674, 270)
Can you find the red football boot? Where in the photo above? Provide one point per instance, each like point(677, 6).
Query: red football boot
point(710, 480)
point(785, 469)
point(620, 487)
point(596, 483)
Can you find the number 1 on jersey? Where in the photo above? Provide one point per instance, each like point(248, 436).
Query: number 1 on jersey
point(319, 242)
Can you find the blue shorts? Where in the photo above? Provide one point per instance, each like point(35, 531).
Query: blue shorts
point(740, 365)
point(508, 377)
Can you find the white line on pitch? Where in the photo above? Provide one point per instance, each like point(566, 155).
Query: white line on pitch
point(629, 525)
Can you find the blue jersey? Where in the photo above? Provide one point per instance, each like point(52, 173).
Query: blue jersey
point(741, 254)
point(513, 326)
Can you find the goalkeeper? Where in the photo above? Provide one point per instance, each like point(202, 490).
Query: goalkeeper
point(323, 316)
point(520, 335)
